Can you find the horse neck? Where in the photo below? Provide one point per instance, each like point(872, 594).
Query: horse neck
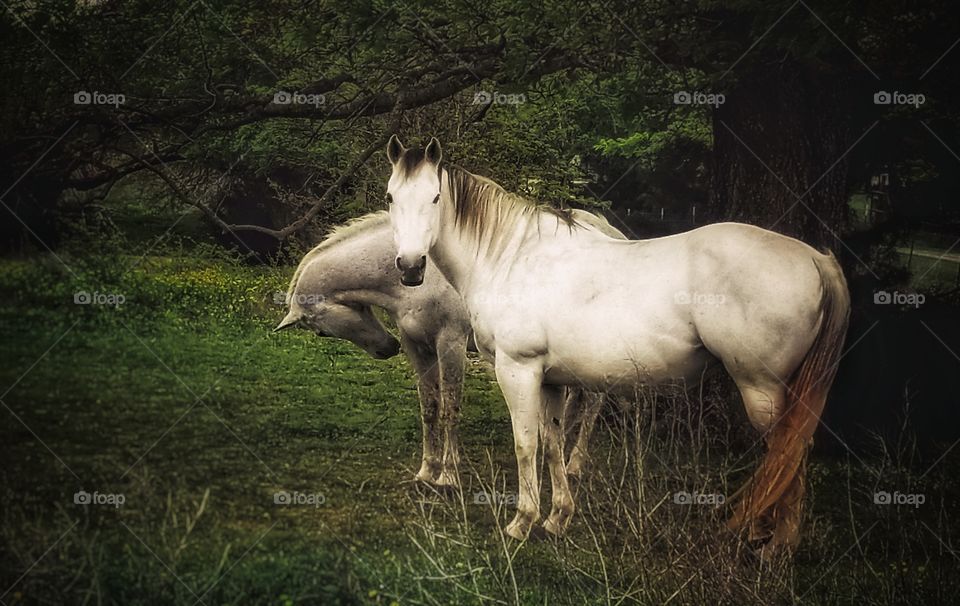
point(359, 269)
point(462, 257)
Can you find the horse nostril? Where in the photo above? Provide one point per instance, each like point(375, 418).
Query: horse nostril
point(398, 264)
point(423, 261)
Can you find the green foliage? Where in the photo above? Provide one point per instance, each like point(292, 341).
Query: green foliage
point(652, 147)
point(179, 290)
point(199, 79)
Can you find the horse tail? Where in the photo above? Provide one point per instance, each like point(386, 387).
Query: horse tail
point(772, 499)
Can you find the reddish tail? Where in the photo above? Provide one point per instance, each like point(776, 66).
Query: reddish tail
point(770, 503)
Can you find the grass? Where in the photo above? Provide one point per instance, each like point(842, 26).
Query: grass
point(932, 267)
point(183, 401)
point(929, 271)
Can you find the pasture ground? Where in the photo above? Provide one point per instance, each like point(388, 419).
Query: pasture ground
point(183, 401)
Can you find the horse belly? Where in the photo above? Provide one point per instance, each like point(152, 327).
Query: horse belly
point(626, 359)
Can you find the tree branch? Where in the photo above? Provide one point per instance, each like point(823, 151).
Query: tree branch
point(280, 234)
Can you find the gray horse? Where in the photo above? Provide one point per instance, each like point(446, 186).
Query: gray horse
point(333, 292)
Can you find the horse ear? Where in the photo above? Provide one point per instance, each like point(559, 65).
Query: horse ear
point(289, 320)
point(434, 153)
point(395, 149)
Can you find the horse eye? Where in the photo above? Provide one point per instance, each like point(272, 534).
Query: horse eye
point(388, 198)
point(437, 199)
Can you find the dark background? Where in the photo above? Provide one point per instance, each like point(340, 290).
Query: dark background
point(571, 103)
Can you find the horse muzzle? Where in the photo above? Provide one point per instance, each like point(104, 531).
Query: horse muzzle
point(387, 351)
point(411, 273)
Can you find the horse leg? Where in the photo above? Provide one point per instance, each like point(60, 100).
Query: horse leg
point(572, 411)
point(552, 430)
point(591, 405)
point(521, 383)
point(765, 401)
point(428, 388)
point(787, 514)
point(451, 357)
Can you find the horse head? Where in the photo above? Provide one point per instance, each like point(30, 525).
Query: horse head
point(413, 196)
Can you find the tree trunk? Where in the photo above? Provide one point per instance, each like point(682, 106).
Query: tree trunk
point(776, 139)
point(29, 218)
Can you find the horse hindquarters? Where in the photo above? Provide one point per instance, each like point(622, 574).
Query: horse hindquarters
point(772, 498)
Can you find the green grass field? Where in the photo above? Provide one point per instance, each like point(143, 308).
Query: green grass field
point(184, 402)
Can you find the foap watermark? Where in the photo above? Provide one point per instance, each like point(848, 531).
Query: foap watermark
point(685, 297)
point(697, 97)
point(494, 498)
point(83, 497)
point(699, 498)
point(280, 298)
point(484, 97)
point(283, 97)
point(312, 499)
point(83, 297)
point(899, 498)
point(82, 97)
point(883, 97)
point(882, 297)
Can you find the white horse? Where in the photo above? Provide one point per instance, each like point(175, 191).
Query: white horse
point(586, 309)
point(333, 292)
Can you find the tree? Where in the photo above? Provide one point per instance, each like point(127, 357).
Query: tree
point(317, 88)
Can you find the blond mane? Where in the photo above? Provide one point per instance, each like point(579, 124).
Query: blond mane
point(488, 212)
point(338, 234)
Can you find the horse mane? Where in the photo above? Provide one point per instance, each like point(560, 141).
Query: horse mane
point(338, 234)
point(488, 211)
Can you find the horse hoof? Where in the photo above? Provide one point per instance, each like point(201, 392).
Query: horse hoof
point(574, 470)
point(434, 487)
point(424, 476)
point(552, 528)
point(770, 553)
point(448, 480)
point(556, 525)
point(519, 529)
